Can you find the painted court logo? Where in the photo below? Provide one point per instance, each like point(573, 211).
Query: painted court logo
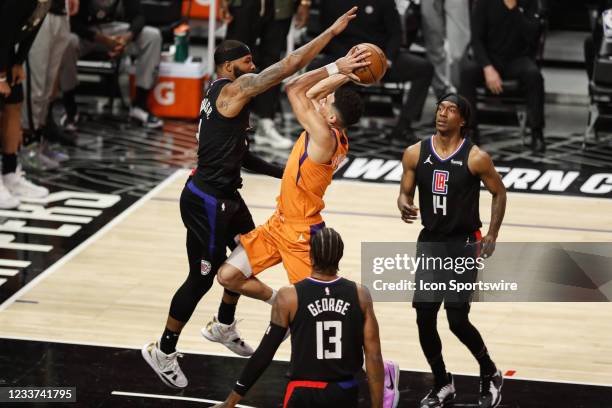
point(440, 180)
point(205, 267)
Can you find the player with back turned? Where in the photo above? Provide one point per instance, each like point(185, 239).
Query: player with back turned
point(332, 325)
point(447, 169)
point(211, 207)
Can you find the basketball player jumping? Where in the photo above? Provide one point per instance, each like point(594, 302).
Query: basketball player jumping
point(447, 169)
point(211, 207)
point(333, 325)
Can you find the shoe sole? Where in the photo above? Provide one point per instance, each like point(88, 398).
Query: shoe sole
point(149, 360)
point(209, 337)
point(396, 394)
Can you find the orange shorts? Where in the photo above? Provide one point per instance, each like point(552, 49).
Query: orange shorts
point(279, 241)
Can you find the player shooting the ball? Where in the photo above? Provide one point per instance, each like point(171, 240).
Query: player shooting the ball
point(325, 105)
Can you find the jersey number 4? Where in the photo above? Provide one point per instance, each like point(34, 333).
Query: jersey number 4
point(334, 339)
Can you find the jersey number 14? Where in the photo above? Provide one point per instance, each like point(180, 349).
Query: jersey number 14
point(439, 204)
point(332, 330)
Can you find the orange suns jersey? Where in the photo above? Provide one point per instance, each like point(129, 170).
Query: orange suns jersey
point(305, 181)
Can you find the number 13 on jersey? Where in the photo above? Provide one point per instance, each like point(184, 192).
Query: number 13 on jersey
point(325, 329)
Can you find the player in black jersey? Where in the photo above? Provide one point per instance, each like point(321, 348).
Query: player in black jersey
point(447, 169)
point(332, 325)
point(211, 207)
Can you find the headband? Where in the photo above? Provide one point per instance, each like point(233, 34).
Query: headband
point(232, 54)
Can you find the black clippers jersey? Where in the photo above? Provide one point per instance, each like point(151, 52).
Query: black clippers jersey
point(327, 331)
point(448, 193)
point(222, 143)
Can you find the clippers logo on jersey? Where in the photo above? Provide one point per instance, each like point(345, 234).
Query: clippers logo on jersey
point(205, 267)
point(440, 180)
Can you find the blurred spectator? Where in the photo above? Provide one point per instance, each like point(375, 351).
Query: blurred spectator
point(96, 30)
point(269, 22)
point(445, 20)
point(20, 21)
point(43, 66)
point(503, 36)
point(592, 43)
point(378, 22)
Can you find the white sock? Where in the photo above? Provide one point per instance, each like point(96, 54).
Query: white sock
point(272, 298)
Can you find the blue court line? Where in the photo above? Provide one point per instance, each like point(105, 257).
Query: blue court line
point(365, 214)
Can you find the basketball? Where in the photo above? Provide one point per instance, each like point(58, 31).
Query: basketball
point(377, 68)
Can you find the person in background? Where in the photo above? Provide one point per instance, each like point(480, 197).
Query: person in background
point(378, 22)
point(503, 35)
point(42, 67)
point(20, 21)
point(445, 20)
point(95, 29)
point(268, 21)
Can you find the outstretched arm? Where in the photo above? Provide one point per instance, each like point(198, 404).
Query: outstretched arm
point(283, 309)
point(318, 83)
point(236, 95)
point(405, 201)
point(481, 165)
point(371, 346)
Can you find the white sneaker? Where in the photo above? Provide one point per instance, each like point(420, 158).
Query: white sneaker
point(267, 134)
point(7, 200)
point(20, 187)
point(146, 119)
point(440, 397)
point(165, 365)
point(228, 335)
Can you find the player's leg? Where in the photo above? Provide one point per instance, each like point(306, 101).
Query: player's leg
point(204, 229)
point(443, 390)
point(241, 223)
point(238, 275)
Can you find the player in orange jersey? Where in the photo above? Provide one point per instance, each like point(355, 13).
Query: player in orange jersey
point(325, 106)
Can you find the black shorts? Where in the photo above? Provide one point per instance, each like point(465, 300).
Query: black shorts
point(16, 95)
point(320, 394)
point(212, 224)
point(435, 285)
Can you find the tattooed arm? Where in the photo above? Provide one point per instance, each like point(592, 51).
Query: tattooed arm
point(236, 95)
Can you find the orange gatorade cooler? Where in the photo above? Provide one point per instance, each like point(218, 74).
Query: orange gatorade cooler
point(199, 8)
point(179, 90)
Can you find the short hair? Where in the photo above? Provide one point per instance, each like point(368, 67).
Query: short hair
point(225, 47)
point(348, 104)
point(465, 109)
point(326, 250)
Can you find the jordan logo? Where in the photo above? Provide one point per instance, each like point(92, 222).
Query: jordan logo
point(301, 238)
point(428, 160)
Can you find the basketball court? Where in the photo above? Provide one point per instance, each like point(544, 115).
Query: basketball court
point(81, 319)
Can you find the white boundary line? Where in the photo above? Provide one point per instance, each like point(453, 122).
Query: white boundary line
point(120, 217)
point(219, 354)
point(172, 397)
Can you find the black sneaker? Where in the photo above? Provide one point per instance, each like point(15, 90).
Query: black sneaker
point(145, 118)
point(490, 390)
point(439, 397)
point(69, 123)
point(54, 133)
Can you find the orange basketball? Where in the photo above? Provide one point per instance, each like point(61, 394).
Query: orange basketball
point(377, 68)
